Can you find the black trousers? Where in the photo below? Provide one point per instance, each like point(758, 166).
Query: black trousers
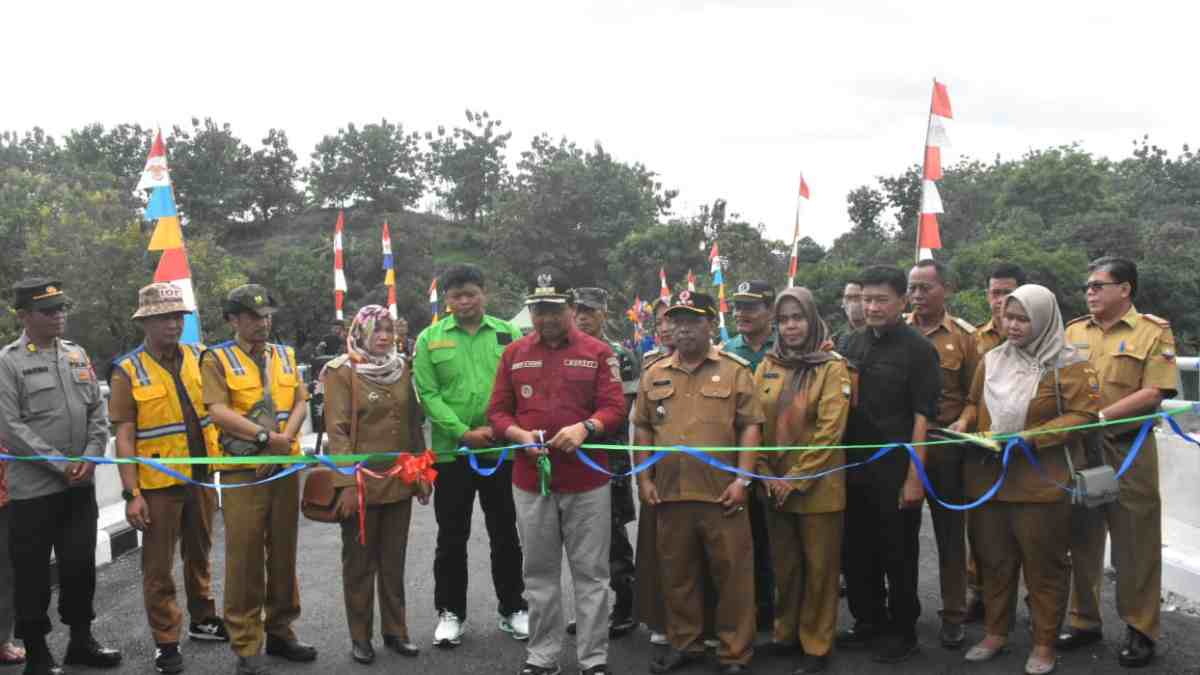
point(882, 541)
point(764, 569)
point(64, 522)
point(620, 554)
point(453, 505)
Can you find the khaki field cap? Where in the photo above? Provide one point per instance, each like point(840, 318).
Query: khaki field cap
point(160, 298)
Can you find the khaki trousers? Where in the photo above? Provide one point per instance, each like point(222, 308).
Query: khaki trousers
point(648, 599)
point(1134, 522)
point(262, 595)
point(183, 514)
point(806, 549)
point(380, 562)
point(1013, 537)
point(690, 534)
point(945, 469)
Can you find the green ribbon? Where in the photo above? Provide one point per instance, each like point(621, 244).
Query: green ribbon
point(543, 469)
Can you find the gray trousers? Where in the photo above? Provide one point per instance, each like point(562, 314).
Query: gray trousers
point(7, 615)
point(580, 524)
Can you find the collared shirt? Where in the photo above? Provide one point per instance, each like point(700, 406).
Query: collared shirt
point(987, 337)
point(453, 372)
point(123, 408)
point(958, 353)
point(543, 387)
point(742, 348)
point(1136, 352)
point(703, 407)
point(50, 405)
point(899, 378)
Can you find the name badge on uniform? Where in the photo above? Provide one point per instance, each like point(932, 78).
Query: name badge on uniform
point(660, 413)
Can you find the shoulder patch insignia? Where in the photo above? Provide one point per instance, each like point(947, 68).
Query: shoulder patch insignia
point(735, 358)
point(964, 324)
point(1157, 320)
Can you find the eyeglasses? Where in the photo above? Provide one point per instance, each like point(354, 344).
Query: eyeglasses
point(1098, 286)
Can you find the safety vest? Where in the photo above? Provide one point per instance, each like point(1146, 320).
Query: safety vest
point(161, 431)
point(244, 381)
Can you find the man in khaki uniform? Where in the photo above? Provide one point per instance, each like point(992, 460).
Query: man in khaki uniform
point(1134, 355)
point(157, 408)
point(701, 397)
point(954, 339)
point(241, 376)
point(1003, 280)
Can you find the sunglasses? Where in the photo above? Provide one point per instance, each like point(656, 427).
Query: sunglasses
point(1098, 286)
point(52, 311)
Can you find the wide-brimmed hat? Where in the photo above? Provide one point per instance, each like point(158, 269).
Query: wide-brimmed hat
point(160, 298)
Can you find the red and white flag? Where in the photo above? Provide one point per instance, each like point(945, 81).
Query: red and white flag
point(664, 291)
point(801, 204)
point(691, 281)
point(936, 138)
point(339, 276)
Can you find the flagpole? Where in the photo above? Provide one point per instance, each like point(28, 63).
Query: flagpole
point(924, 169)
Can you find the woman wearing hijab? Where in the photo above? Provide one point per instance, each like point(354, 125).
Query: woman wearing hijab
point(805, 391)
point(1032, 382)
point(372, 384)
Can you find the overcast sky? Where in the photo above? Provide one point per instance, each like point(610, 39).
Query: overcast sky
point(722, 99)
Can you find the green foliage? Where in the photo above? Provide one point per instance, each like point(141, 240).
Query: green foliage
point(466, 166)
point(379, 163)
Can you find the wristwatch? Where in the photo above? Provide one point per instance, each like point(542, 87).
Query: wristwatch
point(261, 439)
point(128, 495)
point(590, 426)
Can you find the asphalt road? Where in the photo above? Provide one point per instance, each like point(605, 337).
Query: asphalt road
point(121, 623)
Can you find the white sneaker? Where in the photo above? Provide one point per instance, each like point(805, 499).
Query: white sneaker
point(449, 630)
point(659, 639)
point(516, 624)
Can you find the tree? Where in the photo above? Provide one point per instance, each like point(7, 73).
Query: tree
point(380, 163)
point(210, 168)
point(466, 166)
point(273, 179)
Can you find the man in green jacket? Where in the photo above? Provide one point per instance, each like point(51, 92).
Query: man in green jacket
point(454, 367)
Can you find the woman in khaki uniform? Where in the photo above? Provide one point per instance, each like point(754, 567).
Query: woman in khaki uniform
point(372, 382)
point(805, 392)
point(1033, 381)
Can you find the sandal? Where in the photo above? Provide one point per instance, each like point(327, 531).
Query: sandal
point(11, 654)
point(1036, 666)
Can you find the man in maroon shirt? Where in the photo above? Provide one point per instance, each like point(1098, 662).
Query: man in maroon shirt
point(556, 388)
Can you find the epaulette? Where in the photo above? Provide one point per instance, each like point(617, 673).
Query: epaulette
point(1077, 319)
point(965, 325)
point(735, 358)
point(1157, 320)
point(9, 347)
point(837, 356)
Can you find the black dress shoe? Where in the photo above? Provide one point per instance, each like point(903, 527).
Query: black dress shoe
point(952, 635)
point(1138, 651)
point(895, 648)
point(674, 660)
point(572, 628)
point(401, 647)
point(292, 650)
point(596, 670)
point(734, 669)
point(811, 664)
point(1074, 639)
point(620, 625)
point(860, 636)
point(362, 651)
point(85, 651)
point(45, 666)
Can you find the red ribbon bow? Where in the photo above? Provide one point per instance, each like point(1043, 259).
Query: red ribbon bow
point(408, 467)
